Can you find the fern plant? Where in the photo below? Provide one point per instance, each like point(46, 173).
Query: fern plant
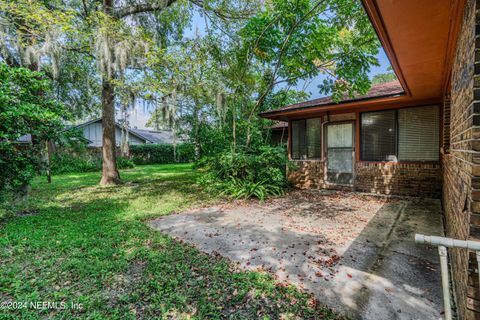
point(243, 175)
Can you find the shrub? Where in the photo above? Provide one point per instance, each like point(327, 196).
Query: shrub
point(64, 162)
point(246, 174)
point(26, 107)
point(19, 166)
point(68, 163)
point(161, 153)
point(185, 152)
point(124, 163)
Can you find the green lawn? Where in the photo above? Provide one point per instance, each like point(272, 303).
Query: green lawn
point(76, 242)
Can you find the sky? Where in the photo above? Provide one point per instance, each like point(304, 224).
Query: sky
point(139, 117)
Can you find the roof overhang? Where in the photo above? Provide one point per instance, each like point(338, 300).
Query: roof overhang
point(354, 106)
point(419, 38)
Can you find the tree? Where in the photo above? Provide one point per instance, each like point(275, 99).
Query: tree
point(26, 108)
point(36, 37)
point(240, 69)
point(384, 77)
point(197, 90)
point(290, 41)
point(252, 50)
point(121, 32)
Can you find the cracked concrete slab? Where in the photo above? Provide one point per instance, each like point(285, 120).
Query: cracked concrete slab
point(354, 252)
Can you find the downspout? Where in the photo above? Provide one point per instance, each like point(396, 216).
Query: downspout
point(324, 149)
point(323, 135)
point(283, 133)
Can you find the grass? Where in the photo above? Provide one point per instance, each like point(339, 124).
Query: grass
point(76, 242)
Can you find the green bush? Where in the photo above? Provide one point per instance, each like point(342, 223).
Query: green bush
point(68, 163)
point(124, 163)
point(19, 166)
point(161, 153)
point(246, 174)
point(64, 162)
point(26, 107)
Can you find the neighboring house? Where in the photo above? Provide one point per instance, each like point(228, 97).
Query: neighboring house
point(279, 133)
point(158, 137)
point(93, 130)
point(27, 139)
point(417, 136)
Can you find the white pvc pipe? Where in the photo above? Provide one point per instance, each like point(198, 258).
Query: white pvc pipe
point(447, 242)
point(442, 251)
point(442, 244)
point(478, 265)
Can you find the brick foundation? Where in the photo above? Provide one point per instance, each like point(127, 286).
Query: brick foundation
point(307, 174)
point(412, 179)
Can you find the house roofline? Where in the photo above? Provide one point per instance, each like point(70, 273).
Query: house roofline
point(265, 114)
point(130, 131)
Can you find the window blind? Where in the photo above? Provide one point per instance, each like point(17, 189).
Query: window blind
point(378, 136)
point(418, 134)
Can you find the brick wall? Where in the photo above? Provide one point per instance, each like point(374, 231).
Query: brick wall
point(399, 178)
point(411, 179)
point(446, 124)
point(459, 164)
point(307, 174)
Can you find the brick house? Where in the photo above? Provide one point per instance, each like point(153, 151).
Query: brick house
point(419, 135)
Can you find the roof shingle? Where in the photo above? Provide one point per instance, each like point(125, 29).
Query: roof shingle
point(391, 88)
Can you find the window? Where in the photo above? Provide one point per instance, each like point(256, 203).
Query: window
point(410, 134)
point(379, 136)
point(418, 134)
point(306, 139)
point(313, 137)
point(298, 139)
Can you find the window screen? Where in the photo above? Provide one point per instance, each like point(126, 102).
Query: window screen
point(378, 136)
point(298, 139)
point(313, 138)
point(306, 139)
point(418, 134)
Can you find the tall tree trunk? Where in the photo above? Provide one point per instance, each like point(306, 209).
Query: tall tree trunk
point(125, 140)
point(48, 151)
point(174, 147)
point(249, 136)
point(125, 149)
point(196, 124)
point(110, 173)
point(234, 127)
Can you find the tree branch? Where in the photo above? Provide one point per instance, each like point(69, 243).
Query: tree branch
point(282, 52)
point(9, 58)
point(143, 8)
point(224, 14)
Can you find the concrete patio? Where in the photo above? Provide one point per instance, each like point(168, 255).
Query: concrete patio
point(354, 252)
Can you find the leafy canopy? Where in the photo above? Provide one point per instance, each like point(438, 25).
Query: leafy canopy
point(25, 105)
point(303, 39)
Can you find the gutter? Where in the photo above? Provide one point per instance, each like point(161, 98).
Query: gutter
point(275, 112)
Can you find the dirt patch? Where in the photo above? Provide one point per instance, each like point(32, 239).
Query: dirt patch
point(123, 283)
